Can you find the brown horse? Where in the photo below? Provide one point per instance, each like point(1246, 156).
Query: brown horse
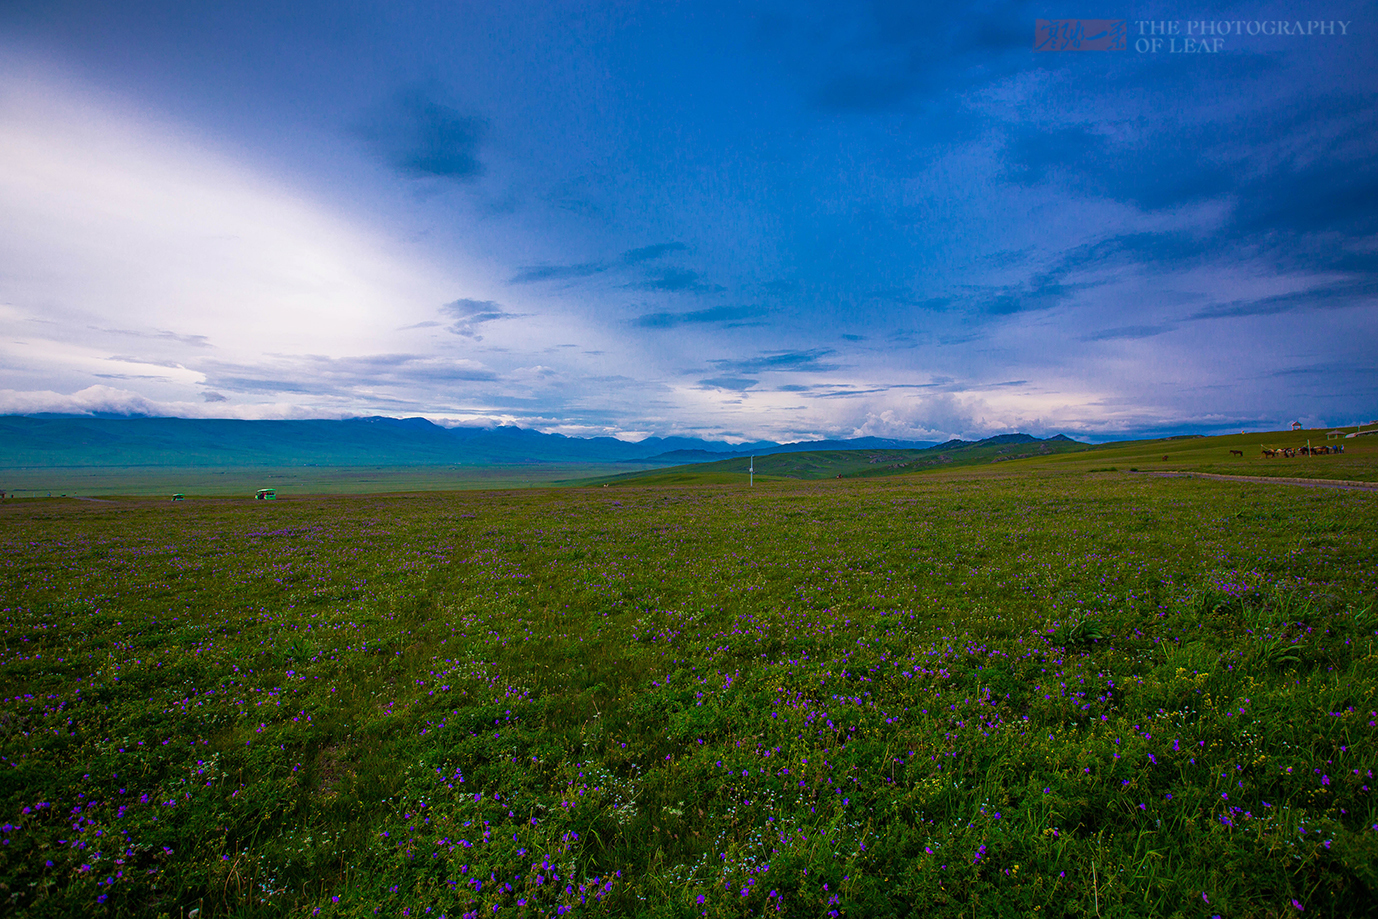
point(1236, 452)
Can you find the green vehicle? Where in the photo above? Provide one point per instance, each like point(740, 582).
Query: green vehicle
point(267, 494)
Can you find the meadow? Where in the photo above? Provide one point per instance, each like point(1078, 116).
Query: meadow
point(983, 692)
point(243, 481)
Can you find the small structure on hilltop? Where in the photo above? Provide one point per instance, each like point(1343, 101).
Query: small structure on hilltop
point(178, 497)
point(267, 494)
point(1296, 425)
point(1335, 435)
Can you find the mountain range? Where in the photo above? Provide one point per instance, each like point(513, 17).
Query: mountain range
point(113, 441)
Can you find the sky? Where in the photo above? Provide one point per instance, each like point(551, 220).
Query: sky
point(737, 221)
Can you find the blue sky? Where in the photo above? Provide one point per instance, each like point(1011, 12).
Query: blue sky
point(744, 221)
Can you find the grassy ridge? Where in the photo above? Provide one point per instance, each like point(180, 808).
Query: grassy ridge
point(1212, 454)
point(843, 464)
point(1064, 694)
point(1196, 454)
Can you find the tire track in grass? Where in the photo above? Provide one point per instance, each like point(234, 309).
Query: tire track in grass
point(1343, 484)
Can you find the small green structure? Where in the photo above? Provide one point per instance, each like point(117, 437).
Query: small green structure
point(179, 497)
point(267, 494)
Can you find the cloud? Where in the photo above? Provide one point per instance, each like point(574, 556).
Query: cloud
point(355, 377)
point(423, 137)
point(844, 393)
point(532, 274)
point(105, 400)
point(128, 359)
point(1157, 171)
point(648, 253)
point(891, 54)
point(213, 396)
point(736, 384)
point(194, 341)
point(468, 315)
point(1332, 295)
point(715, 314)
point(92, 399)
point(677, 280)
point(1129, 331)
point(128, 232)
point(776, 361)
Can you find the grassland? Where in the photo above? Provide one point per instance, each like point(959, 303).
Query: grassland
point(241, 481)
point(1210, 455)
point(1205, 454)
point(987, 691)
point(845, 464)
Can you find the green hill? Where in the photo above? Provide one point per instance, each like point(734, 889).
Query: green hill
point(1233, 454)
point(848, 464)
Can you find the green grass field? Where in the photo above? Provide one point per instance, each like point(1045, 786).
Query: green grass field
point(997, 690)
point(1211, 455)
point(241, 481)
point(1206, 454)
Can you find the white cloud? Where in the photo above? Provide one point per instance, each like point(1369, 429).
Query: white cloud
point(128, 240)
point(100, 398)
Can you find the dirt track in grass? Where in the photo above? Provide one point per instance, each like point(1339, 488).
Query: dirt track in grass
point(1345, 484)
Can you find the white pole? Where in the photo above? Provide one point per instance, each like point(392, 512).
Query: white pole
point(752, 471)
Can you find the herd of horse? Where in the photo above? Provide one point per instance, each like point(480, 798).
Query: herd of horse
point(1290, 452)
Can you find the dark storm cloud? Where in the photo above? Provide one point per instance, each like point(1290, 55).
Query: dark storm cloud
point(774, 361)
point(878, 56)
point(1330, 194)
point(715, 314)
point(1301, 169)
point(1284, 174)
point(1167, 169)
point(421, 136)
